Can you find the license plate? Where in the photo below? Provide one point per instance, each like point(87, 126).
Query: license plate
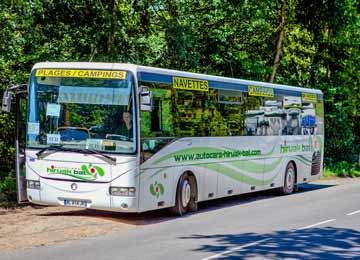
point(75, 203)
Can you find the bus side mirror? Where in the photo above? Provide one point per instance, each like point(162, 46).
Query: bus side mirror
point(145, 99)
point(6, 102)
point(8, 95)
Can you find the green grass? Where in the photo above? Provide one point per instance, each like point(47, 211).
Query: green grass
point(327, 173)
point(342, 169)
point(8, 191)
point(8, 204)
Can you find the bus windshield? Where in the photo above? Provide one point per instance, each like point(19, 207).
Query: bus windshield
point(82, 109)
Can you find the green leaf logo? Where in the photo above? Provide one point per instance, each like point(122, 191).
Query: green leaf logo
point(85, 169)
point(93, 171)
point(152, 190)
point(157, 189)
point(99, 170)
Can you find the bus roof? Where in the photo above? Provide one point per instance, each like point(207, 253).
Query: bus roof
point(165, 76)
point(85, 65)
point(152, 74)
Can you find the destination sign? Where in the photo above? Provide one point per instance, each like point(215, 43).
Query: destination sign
point(190, 84)
point(261, 91)
point(309, 97)
point(98, 74)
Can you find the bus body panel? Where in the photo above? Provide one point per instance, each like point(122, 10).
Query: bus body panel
point(97, 196)
point(56, 187)
point(225, 166)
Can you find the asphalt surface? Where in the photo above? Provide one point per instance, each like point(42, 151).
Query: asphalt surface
point(319, 222)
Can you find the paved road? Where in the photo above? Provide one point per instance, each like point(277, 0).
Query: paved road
point(319, 222)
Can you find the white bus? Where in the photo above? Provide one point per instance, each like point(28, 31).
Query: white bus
point(131, 138)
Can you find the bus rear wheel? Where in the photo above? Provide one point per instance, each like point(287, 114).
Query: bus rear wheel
point(289, 180)
point(186, 193)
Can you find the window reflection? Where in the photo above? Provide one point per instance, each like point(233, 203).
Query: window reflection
point(82, 113)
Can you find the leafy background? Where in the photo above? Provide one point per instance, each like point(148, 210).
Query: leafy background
point(306, 43)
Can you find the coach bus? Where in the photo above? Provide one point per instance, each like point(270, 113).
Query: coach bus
point(131, 138)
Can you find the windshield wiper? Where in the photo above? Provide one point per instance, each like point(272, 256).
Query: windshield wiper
point(90, 151)
point(58, 147)
point(76, 150)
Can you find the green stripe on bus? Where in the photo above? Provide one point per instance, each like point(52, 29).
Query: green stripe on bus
point(256, 168)
point(307, 163)
point(238, 176)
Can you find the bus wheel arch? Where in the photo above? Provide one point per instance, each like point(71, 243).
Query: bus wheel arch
point(296, 171)
point(186, 194)
point(290, 179)
point(296, 188)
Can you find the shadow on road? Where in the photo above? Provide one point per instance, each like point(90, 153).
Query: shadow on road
point(153, 217)
point(315, 243)
point(313, 186)
point(251, 197)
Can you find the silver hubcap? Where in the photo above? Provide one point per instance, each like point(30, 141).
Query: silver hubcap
point(290, 179)
point(185, 193)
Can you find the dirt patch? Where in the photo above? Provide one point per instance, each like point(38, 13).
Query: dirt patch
point(336, 180)
point(37, 226)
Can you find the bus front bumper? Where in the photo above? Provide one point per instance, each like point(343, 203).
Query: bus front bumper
point(80, 194)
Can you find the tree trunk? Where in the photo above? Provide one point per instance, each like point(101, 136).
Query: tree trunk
point(283, 17)
point(114, 17)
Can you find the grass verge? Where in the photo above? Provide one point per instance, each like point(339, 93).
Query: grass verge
point(342, 169)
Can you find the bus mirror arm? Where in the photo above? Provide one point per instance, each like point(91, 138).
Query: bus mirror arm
point(145, 99)
point(6, 103)
point(8, 95)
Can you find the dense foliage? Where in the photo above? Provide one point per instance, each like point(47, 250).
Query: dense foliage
point(307, 43)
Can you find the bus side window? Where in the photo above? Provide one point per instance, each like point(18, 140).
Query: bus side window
point(159, 122)
point(150, 146)
point(156, 127)
point(319, 111)
point(274, 116)
point(252, 115)
point(156, 115)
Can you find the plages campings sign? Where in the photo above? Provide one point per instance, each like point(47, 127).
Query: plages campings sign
point(99, 74)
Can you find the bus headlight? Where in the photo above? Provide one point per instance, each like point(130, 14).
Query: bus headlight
point(33, 184)
point(123, 191)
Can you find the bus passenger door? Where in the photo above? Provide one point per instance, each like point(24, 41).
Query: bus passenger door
point(20, 94)
point(20, 142)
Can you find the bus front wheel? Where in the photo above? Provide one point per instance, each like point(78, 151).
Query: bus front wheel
point(186, 193)
point(289, 180)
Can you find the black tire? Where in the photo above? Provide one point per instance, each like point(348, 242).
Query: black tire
point(289, 180)
point(186, 193)
point(193, 206)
